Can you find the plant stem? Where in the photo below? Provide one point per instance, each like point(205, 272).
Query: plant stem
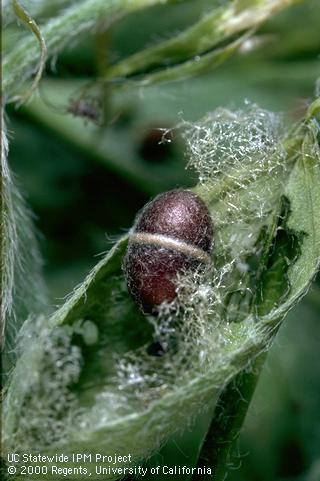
point(193, 67)
point(218, 25)
point(228, 418)
point(30, 23)
point(200, 37)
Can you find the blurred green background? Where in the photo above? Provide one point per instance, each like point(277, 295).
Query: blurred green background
point(85, 184)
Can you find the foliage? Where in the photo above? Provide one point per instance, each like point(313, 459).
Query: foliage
point(83, 379)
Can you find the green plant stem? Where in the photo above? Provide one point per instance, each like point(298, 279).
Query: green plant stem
point(218, 25)
point(30, 23)
point(72, 23)
point(227, 420)
point(41, 8)
point(192, 67)
point(201, 36)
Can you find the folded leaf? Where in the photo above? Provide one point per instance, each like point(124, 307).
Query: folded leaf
point(86, 382)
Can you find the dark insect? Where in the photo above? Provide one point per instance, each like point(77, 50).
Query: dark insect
point(85, 108)
point(172, 233)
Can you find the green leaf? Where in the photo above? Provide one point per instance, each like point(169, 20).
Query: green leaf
point(85, 382)
point(283, 247)
point(303, 193)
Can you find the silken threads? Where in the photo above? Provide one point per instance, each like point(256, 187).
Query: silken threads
point(172, 233)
